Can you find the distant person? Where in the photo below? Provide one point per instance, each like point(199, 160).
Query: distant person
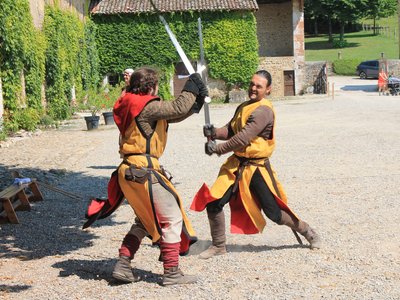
point(382, 82)
point(127, 77)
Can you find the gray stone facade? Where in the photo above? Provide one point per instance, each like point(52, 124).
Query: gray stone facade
point(280, 30)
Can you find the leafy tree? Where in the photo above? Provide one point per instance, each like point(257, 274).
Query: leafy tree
point(312, 10)
point(320, 9)
point(380, 9)
point(348, 11)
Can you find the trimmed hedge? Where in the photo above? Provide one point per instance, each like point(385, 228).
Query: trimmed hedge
point(345, 66)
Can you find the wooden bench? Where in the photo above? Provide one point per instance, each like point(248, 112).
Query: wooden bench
point(15, 197)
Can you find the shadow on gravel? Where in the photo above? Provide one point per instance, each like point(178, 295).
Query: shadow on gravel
point(99, 270)
point(363, 88)
point(202, 245)
point(253, 248)
point(4, 288)
point(53, 226)
point(102, 167)
point(369, 85)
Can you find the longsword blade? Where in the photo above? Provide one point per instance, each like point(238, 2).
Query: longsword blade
point(203, 73)
point(178, 47)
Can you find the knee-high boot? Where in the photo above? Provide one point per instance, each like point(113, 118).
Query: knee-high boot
point(217, 228)
point(303, 228)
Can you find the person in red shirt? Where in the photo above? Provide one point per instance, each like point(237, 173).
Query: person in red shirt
point(382, 82)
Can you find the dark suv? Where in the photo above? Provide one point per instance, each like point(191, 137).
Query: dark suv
point(368, 69)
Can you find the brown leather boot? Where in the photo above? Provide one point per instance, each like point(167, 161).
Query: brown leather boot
point(123, 271)
point(303, 228)
point(217, 228)
point(174, 275)
point(312, 237)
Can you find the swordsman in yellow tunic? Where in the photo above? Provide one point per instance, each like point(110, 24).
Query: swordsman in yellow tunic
point(142, 119)
point(246, 180)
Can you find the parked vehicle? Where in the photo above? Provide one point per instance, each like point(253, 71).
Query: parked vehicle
point(368, 69)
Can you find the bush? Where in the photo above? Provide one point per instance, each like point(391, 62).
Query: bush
point(27, 119)
point(47, 121)
point(3, 136)
point(113, 93)
point(340, 43)
point(345, 66)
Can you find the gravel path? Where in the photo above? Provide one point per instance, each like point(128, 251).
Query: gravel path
point(338, 160)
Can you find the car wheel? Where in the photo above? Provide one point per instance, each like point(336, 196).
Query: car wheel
point(363, 75)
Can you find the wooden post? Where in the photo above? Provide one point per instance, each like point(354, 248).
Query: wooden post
point(333, 90)
point(327, 88)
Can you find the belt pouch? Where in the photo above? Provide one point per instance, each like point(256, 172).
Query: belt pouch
point(136, 175)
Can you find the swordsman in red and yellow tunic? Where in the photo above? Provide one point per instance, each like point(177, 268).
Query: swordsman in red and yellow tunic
point(246, 180)
point(143, 119)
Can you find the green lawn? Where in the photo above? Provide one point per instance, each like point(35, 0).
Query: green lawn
point(363, 45)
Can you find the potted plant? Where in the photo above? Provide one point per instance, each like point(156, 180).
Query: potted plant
point(111, 94)
point(93, 102)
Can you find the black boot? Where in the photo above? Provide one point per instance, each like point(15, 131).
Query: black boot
point(217, 228)
point(123, 271)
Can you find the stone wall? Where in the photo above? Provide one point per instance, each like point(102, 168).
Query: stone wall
point(276, 66)
point(311, 71)
point(274, 29)
point(37, 8)
point(280, 32)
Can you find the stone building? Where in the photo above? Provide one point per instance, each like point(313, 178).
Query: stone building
point(280, 31)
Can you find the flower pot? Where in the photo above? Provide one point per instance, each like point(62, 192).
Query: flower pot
point(108, 118)
point(92, 122)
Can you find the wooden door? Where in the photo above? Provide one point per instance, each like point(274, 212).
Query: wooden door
point(180, 77)
point(288, 83)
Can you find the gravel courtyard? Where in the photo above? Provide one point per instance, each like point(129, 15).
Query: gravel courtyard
point(338, 159)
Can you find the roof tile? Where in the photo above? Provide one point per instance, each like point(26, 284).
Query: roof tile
point(109, 7)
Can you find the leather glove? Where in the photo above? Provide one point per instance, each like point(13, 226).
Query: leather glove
point(198, 104)
point(209, 131)
point(195, 85)
point(210, 147)
point(203, 91)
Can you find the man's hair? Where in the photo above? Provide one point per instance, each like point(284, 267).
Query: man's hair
point(143, 80)
point(266, 75)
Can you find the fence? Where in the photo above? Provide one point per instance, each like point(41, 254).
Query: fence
point(384, 30)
